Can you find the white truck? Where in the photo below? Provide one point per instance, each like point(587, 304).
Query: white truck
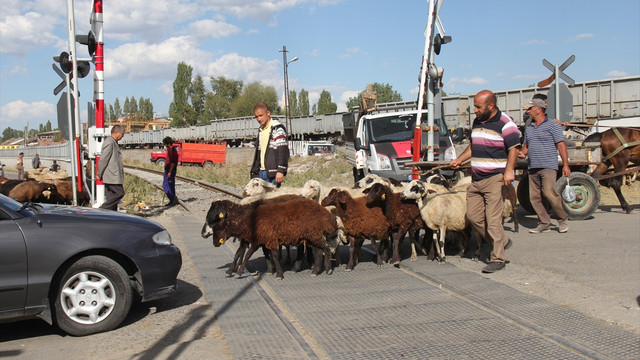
point(381, 142)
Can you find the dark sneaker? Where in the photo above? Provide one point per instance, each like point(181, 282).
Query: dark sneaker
point(563, 227)
point(493, 267)
point(509, 243)
point(539, 229)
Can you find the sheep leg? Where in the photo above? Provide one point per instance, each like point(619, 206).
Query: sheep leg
point(287, 260)
point(297, 265)
point(237, 258)
point(240, 271)
point(375, 247)
point(413, 238)
point(327, 261)
point(275, 254)
point(354, 251)
point(397, 236)
point(440, 244)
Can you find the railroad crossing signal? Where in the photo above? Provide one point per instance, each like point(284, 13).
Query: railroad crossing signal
point(558, 72)
point(559, 98)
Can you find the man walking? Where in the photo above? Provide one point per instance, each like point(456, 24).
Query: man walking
point(493, 151)
point(543, 141)
point(111, 170)
point(272, 150)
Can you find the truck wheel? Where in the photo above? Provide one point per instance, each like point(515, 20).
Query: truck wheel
point(587, 195)
point(208, 165)
point(160, 162)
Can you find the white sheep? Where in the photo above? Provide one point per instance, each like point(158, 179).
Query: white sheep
point(440, 211)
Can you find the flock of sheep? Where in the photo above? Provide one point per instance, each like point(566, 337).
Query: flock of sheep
point(316, 221)
point(52, 191)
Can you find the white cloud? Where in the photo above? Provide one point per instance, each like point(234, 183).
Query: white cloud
point(260, 10)
point(582, 37)
point(19, 34)
point(351, 52)
point(204, 29)
point(135, 61)
point(474, 81)
point(147, 20)
point(18, 113)
point(617, 73)
point(248, 69)
point(534, 42)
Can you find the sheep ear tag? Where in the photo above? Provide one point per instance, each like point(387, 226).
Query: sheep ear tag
point(221, 241)
point(384, 196)
point(221, 216)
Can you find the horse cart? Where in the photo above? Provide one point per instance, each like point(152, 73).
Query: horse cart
point(589, 163)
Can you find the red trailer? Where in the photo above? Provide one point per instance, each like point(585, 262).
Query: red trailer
point(205, 154)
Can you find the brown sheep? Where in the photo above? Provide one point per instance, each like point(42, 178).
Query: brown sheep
point(33, 191)
point(8, 185)
point(403, 215)
point(65, 189)
point(300, 222)
point(360, 222)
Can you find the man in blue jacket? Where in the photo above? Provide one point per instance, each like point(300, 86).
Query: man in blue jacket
point(271, 158)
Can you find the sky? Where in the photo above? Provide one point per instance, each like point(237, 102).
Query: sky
point(341, 45)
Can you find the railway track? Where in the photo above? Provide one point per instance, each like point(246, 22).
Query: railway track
point(193, 195)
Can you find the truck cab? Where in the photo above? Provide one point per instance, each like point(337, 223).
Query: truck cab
point(381, 143)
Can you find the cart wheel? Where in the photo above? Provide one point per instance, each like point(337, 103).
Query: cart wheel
point(523, 194)
point(587, 195)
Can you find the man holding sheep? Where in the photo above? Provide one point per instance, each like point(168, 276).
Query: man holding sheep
point(494, 147)
point(271, 158)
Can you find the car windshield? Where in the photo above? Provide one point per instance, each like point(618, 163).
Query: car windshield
point(10, 203)
point(391, 128)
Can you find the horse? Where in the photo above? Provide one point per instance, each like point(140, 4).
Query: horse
point(619, 147)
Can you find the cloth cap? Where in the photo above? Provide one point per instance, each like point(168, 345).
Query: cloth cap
point(536, 102)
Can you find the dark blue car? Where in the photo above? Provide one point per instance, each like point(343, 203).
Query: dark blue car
point(79, 267)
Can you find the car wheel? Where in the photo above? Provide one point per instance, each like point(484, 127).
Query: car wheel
point(94, 295)
point(160, 162)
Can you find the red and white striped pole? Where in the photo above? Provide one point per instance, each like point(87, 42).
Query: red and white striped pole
point(98, 88)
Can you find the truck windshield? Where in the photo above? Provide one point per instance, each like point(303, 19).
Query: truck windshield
point(391, 128)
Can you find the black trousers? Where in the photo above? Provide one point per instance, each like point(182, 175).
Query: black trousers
point(113, 194)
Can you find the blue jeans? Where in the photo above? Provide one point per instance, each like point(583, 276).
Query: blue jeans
point(263, 176)
point(169, 184)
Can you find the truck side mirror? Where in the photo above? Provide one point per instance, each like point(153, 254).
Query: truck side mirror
point(358, 144)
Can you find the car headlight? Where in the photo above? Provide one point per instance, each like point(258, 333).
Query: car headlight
point(385, 163)
point(162, 238)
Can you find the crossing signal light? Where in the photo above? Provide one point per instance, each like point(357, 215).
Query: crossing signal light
point(89, 40)
point(67, 65)
point(438, 41)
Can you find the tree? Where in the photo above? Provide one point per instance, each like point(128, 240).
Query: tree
point(117, 110)
point(303, 102)
point(197, 93)
point(293, 104)
point(385, 94)
point(223, 92)
point(47, 127)
point(252, 94)
point(127, 107)
point(325, 105)
point(180, 111)
point(133, 107)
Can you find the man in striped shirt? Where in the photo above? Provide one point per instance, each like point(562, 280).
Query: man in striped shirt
point(495, 142)
point(543, 141)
